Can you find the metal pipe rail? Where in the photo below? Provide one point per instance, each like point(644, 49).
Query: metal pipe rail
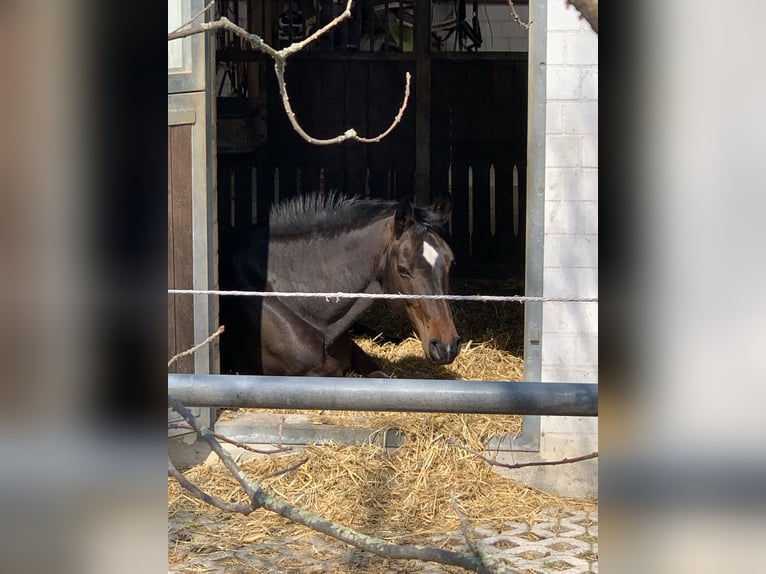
point(405, 395)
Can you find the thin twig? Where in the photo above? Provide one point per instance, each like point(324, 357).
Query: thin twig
point(248, 486)
point(261, 499)
point(516, 17)
point(197, 492)
point(351, 133)
point(196, 347)
point(523, 464)
point(241, 445)
point(280, 63)
point(298, 46)
point(193, 18)
point(489, 564)
point(290, 468)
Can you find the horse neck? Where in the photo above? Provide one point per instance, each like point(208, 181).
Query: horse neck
point(343, 269)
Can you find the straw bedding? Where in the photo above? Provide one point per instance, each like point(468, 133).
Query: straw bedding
point(401, 495)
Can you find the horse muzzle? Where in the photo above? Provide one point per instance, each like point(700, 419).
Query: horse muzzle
point(443, 353)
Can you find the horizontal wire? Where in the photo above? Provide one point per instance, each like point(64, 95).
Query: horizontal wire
point(341, 295)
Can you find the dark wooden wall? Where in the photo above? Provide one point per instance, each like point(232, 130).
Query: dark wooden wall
point(180, 265)
point(478, 137)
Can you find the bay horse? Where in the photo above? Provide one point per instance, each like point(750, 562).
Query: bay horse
point(331, 243)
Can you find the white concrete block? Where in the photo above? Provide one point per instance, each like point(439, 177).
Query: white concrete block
point(589, 84)
point(587, 217)
point(564, 374)
point(562, 16)
point(587, 282)
point(554, 116)
point(576, 480)
point(569, 350)
point(570, 317)
point(573, 217)
point(580, 117)
point(580, 184)
point(497, 45)
point(510, 29)
point(570, 425)
point(590, 151)
point(561, 216)
point(579, 251)
point(519, 45)
point(552, 251)
point(562, 151)
point(556, 48)
point(554, 183)
point(564, 83)
point(559, 282)
point(495, 12)
point(581, 48)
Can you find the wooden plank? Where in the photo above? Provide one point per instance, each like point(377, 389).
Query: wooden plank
point(481, 103)
point(460, 234)
point(171, 267)
point(181, 191)
point(378, 182)
point(378, 119)
point(422, 98)
point(288, 179)
point(480, 236)
point(503, 88)
point(405, 141)
point(440, 128)
point(519, 108)
point(332, 112)
point(519, 244)
point(356, 117)
point(264, 177)
point(243, 190)
point(504, 239)
point(310, 156)
point(224, 190)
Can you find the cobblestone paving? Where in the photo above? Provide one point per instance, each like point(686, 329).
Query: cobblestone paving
point(566, 542)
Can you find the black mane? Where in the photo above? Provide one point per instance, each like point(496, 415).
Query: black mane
point(334, 213)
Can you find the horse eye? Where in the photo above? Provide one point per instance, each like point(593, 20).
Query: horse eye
point(404, 272)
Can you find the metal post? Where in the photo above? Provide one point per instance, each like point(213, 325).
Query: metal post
point(533, 280)
point(405, 395)
point(422, 49)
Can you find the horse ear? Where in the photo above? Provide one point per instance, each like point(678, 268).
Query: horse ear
point(442, 207)
point(403, 217)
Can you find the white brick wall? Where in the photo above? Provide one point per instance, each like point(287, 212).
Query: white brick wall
point(570, 329)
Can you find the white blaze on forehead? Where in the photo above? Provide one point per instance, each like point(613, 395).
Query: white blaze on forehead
point(429, 253)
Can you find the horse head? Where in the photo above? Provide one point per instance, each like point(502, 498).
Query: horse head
point(418, 263)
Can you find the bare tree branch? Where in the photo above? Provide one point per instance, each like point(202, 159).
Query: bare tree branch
point(350, 134)
point(588, 9)
point(193, 18)
point(197, 492)
point(280, 63)
point(522, 464)
point(516, 17)
point(262, 499)
point(196, 347)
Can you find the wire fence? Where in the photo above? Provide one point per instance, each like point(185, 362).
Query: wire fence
point(342, 295)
